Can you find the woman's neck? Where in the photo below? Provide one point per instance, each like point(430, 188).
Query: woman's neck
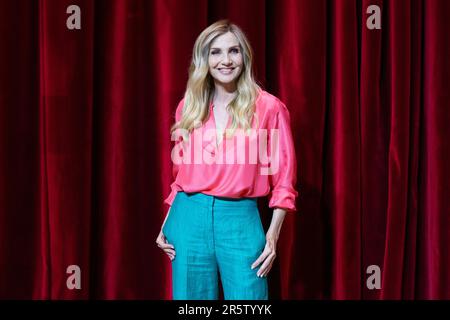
point(223, 95)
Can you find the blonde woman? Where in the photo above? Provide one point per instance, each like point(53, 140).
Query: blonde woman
point(233, 144)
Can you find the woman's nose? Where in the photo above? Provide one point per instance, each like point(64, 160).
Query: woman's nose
point(226, 59)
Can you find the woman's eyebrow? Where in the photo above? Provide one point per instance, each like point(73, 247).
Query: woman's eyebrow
point(232, 47)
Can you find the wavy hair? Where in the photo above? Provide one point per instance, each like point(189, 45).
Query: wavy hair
point(200, 86)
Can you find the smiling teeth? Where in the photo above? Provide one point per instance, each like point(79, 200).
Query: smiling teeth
point(226, 71)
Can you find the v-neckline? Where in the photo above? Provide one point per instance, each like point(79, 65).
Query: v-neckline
point(217, 145)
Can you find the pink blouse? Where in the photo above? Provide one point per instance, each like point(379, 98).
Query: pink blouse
point(262, 163)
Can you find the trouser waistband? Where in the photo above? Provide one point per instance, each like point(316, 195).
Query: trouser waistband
point(218, 201)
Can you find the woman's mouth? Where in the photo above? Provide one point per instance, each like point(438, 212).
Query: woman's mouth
point(226, 70)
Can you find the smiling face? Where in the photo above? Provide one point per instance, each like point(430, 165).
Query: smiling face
point(225, 59)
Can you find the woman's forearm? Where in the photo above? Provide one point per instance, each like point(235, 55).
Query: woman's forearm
point(167, 214)
point(276, 223)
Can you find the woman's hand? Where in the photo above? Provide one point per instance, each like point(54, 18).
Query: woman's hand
point(269, 253)
point(162, 242)
point(267, 257)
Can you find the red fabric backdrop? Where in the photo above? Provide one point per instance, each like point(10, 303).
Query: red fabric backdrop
point(85, 146)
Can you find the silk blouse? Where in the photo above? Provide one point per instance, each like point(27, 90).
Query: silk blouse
point(245, 165)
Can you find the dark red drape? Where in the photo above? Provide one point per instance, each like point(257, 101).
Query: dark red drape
point(85, 146)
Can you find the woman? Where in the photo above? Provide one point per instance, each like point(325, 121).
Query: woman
point(213, 227)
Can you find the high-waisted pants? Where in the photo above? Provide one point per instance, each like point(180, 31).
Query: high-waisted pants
point(215, 237)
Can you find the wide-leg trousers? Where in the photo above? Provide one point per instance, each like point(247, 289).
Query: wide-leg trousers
point(215, 237)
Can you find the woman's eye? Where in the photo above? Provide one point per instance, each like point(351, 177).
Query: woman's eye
point(235, 50)
point(214, 52)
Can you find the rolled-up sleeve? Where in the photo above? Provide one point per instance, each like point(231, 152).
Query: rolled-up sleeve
point(174, 187)
point(283, 181)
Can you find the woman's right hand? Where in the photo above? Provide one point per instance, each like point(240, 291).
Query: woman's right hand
point(162, 242)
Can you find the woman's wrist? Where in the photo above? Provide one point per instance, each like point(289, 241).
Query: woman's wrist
point(272, 235)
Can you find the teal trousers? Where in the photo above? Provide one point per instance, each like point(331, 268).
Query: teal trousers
point(215, 238)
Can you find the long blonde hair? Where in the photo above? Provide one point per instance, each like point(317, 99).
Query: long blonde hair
point(200, 86)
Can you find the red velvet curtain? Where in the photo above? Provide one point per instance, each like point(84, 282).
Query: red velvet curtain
point(85, 145)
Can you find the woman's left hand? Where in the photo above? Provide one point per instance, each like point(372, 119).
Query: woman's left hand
point(267, 257)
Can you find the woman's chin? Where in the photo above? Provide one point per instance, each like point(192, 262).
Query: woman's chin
point(225, 80)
